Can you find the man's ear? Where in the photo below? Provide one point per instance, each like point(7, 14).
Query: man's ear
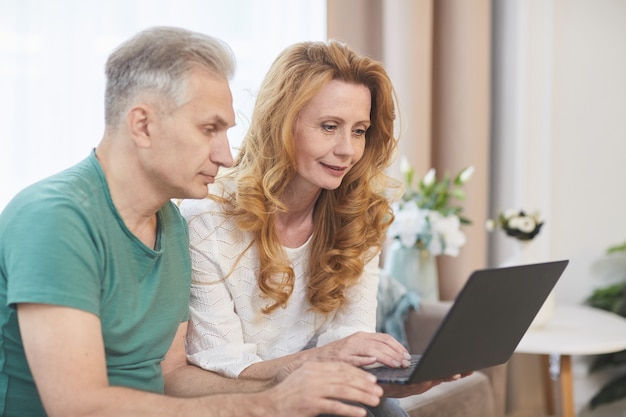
point(138, 122)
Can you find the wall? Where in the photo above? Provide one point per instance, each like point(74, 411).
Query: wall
point(590, 136)
point(589, 147)
point(558, 130)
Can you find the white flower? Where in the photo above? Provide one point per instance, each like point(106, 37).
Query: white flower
point(510, 213)
point(408, 224)
point(466, 174)
point(523, 224)
point(536, 216)
point(450, 238)
point(517, 224)
point(405, 167)
point(429, 178)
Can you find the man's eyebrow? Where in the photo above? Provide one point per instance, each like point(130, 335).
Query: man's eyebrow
point(220, 122)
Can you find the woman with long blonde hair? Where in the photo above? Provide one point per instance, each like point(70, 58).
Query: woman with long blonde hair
point(285, 252)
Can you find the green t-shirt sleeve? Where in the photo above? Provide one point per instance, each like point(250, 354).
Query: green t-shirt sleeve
point(53, 257)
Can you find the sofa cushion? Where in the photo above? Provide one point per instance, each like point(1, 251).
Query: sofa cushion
point(471, 396)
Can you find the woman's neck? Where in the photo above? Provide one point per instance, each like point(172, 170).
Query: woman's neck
point(295, 225)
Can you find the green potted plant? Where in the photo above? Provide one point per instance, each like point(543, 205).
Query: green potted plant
point(611, 298)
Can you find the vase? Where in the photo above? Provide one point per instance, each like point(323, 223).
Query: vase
point(546, 312)
point(415, 269)
point(525, 253)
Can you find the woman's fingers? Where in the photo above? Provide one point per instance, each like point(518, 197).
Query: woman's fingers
point(362, 348)
point(385, 349)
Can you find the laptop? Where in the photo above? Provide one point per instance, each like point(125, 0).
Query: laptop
point(483, 327)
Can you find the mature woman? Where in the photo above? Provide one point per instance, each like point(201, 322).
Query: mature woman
point(285, 251)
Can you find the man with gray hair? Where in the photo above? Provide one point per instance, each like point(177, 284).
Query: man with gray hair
point(94, 261)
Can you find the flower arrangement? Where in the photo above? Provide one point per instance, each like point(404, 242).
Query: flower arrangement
point(517, 224)
point(425, 216)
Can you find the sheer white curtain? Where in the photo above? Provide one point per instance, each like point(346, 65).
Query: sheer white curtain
point(52, 57)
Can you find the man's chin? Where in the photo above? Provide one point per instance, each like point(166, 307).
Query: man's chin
point(198, 193)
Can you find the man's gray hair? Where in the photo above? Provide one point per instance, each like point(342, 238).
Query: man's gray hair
point(157, 60)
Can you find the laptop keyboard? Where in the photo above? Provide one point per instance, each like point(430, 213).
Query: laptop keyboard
point(388, 374)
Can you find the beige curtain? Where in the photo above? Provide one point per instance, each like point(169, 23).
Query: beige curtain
point(437, 53)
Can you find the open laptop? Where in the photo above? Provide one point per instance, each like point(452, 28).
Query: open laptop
point(483, 327)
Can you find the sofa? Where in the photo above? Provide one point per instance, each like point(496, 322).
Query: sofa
point(481, 394)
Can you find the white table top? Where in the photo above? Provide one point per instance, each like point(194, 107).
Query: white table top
point(576, 330)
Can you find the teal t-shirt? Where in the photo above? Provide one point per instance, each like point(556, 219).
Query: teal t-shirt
point(62, 242)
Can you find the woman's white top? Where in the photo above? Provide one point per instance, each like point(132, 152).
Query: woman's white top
point(227, 329)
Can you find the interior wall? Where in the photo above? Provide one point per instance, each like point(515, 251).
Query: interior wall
point(589, 149)
point(590, 137)
point(558, 130)
point(559, 110)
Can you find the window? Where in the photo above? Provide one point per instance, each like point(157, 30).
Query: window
point(53, 56)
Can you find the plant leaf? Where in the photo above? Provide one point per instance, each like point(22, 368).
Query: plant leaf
point(609, 298)
point(613, 391)
point(608, 360)
point(617, 248)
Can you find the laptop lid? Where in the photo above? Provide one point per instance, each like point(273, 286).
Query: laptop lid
point(489, 317)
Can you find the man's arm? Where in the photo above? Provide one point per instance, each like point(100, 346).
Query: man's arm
point(65, 352)
point(185, 380)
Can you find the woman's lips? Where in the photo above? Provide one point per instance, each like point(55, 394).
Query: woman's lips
point(334, 169)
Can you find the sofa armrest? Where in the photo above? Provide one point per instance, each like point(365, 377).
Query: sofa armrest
point(421, 325)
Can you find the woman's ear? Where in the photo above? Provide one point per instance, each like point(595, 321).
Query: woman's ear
point(138, 123)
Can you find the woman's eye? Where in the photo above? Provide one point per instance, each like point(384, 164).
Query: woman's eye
point(359, 132)
point(329, 128)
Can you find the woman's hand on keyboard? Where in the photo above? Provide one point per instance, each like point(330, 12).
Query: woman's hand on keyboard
point(362, 349)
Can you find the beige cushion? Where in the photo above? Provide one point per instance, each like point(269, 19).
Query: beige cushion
point(469, 396)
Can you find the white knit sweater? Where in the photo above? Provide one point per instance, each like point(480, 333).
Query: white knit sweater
point(227, 330)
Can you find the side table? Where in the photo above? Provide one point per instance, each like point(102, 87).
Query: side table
point(574, 330)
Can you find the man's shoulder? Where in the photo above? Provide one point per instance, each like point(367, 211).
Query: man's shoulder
point(72, 186)
point(54, 203)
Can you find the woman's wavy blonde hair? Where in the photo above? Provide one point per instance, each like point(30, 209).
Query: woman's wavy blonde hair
point(350, 222)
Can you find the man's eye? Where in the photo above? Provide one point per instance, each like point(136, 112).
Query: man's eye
point(210, 131)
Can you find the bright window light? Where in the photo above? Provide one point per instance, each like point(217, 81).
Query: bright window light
point(52, 57)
